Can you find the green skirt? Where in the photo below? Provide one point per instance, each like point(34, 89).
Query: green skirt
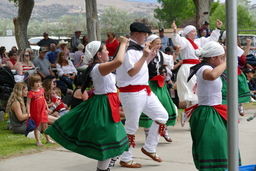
point(164, 97)
point(243, 90)
point(90, 130)
point(210, 139)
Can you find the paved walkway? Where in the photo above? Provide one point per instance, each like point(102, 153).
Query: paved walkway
point(176, 155)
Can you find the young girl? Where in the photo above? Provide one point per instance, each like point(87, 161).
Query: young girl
point(208, 121)
point(93, 128)
point(37, 107)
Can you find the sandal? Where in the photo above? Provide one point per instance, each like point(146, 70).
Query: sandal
point(39, 143)
point(130, 164)
point(50, 142)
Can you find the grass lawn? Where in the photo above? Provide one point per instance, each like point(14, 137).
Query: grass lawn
point(12, 145)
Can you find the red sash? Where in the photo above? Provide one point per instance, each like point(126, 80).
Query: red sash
point(221, 109)
point(193, 44)
point(191, 61)
point(239, 72)
point(160, 80)
point(135, 88)
point(114, 106)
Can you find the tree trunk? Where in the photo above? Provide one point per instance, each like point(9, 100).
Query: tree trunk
point(202, 6)
point(21, 23)
point(93, 28)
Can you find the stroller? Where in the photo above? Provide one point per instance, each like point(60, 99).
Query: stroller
point(6, 86)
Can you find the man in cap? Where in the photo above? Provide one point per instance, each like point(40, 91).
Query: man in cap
point(44, 67)
point(205, 27)
point(46, 41)
point(136, 96)
point(249, 73)
point(75, 41)
point(164, 39)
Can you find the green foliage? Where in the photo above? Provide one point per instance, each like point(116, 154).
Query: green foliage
point(5, 24)
point(214, 6)
point(173, 10)
point(244, 19)
point(116, 20)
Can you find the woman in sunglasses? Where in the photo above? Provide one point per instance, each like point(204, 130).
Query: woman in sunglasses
point(25, 63)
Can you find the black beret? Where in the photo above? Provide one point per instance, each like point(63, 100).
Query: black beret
point(139, 27)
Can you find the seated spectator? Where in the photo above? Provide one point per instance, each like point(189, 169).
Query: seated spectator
point(77, 96)
point(62, 108)
point(63, 47)
point(3, 55)
point(52, 55)
point(44, 67)
point(85, 41)
point(25, 64)
point(66, 70)
point(14, 48)
point(251, 81)
point(17, 109)
point(13, 59)
point(48, 86)
point(31, 53)
point(60, 84)
point(79, 58)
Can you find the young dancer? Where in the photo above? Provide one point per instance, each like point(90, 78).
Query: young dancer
point(208, 121)
point(158, 86)
point(93, 128)
point(188, 44)
point(136, 96)
point(37, 107)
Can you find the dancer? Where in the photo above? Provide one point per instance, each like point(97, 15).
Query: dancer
point(208, 121)
point(189, 43)
point(136, 96)
point(93, 128)
point(157, 83)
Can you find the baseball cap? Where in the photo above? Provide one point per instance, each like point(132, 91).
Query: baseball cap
point(139, 27)
point(31, 125)
point(247, 70)
point(206, 23)
point(44, 34)
point(161, 30)
point(43, 49)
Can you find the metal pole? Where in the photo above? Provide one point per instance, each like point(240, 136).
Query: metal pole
point(232, 87)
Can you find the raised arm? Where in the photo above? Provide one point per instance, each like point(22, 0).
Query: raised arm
point(107, 67)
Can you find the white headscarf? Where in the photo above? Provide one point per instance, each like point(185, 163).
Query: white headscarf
point(187, 29)
point(91, 49)
point(152, 37)
point(210, 49)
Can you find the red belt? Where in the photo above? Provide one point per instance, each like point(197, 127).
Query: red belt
point(221, 109)
point(191, 61)
point(135, 88)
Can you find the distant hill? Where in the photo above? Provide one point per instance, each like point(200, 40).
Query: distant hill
point(53, 10)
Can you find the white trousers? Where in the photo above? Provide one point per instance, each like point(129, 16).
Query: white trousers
point(136, 103)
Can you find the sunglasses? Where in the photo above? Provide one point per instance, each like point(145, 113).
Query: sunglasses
point(53, 46)
point(108, 35)
point(26, 55)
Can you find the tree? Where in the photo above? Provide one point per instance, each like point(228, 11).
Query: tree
point(173, 10)
point(116, 20)
point(202, 6)
point(244, 19)
point(21, 22)
point(92, 20)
